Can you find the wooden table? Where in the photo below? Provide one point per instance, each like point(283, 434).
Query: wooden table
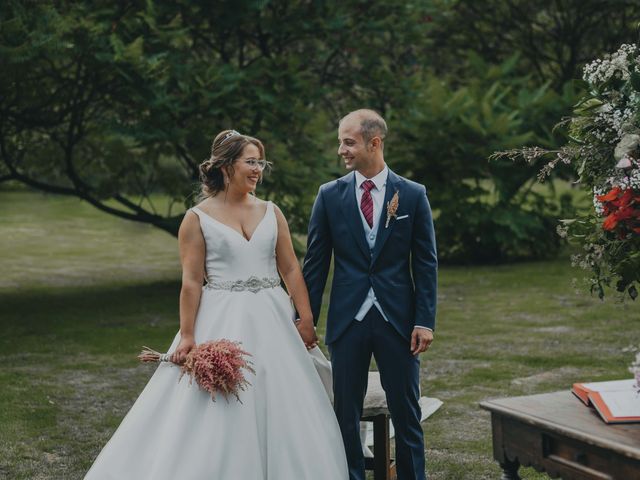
point(556, 433)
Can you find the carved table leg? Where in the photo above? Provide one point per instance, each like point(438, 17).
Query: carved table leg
point(510, 470)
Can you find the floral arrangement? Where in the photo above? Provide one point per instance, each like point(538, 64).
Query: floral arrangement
point(635, 369)
point(604, 150)
point(216, 366)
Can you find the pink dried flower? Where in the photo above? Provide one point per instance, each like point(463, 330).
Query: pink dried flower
point(216, 366)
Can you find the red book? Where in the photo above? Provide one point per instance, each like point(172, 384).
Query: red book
point(616, 401)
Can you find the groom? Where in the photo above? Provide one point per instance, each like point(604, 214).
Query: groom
point(378, 227)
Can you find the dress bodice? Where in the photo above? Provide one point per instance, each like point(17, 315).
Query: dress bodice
point(230, 257)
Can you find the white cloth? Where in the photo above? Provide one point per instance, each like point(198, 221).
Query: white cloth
point(377, 197)
point(284, 428)
point(428, 406)
point(375, 401)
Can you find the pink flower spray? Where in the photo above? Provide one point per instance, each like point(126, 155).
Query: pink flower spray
point(216, 366)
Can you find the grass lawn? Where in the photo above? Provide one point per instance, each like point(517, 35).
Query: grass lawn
point(81, 291)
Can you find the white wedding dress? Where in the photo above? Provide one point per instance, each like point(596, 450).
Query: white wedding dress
point(284, 429)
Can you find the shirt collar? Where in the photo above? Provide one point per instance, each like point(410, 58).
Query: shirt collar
point(380, 179)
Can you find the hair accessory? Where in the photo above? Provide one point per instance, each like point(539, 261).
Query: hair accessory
point(232, 133)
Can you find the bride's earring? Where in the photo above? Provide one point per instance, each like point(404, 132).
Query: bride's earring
point(227, 181)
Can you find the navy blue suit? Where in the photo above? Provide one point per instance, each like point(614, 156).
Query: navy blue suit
point(402, 269)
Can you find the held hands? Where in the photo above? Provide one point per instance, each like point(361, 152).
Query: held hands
point(187, 342)
point(307, 332)
point(421, 339)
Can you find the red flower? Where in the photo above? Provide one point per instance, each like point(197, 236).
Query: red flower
point(612, 195)
point(610, 222)
point(625, 199)
point(625, 213)
point(619, 207)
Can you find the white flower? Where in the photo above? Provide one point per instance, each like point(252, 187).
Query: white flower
point(613, 122)
point(617, 64)
point(597, 204)
point(627, 144)
point(625, 177)
point(625, 162)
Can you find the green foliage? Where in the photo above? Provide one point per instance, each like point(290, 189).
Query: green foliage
point(485, 211)
point(555, 39)
point(117, 104)
point(114, 104)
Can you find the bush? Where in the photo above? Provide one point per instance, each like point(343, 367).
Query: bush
point(486, 211)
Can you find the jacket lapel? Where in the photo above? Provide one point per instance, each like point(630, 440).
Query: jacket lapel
point(394, 184)
point(351, 211)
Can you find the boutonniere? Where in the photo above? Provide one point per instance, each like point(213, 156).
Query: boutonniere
point(392, 208)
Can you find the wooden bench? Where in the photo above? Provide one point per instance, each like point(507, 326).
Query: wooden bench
point(382, 465)
point(375, 411)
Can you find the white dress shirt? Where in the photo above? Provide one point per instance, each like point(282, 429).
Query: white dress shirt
point(377, 196)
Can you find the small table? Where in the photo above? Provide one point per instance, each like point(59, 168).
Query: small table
point(556, 433)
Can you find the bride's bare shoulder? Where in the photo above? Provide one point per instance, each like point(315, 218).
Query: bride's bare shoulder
point(278, 212)
point(260, 206)
point(207, 203)
point(212, 206)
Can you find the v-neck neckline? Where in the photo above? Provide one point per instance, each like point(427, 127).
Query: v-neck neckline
point(241, 235)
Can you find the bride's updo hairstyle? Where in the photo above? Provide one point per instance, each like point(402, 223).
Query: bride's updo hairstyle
point(225, 150)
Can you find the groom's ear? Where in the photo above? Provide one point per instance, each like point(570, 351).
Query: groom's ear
point(376, 142)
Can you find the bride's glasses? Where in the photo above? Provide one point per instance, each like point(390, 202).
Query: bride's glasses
point(256, 163)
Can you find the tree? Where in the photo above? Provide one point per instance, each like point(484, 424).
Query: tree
point(119, 103)
point(555, 39)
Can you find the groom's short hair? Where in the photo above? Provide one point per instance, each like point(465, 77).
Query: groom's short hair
point(371, 124)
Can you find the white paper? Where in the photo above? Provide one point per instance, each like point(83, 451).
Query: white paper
point(611, 386)
point(624, 403)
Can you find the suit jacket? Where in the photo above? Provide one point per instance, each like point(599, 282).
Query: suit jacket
point(401, 268)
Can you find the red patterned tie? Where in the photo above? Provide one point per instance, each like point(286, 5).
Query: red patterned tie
point(366, 203)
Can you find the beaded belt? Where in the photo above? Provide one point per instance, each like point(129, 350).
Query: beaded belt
point(253, 284)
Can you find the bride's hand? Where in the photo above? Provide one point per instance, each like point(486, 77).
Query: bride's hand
point(184, 347)
point(307, 332)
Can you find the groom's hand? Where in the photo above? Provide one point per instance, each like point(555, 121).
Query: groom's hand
point(421, 339)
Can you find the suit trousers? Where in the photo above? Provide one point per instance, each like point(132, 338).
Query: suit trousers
point(400, 377)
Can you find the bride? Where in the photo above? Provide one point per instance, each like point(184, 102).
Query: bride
point(284, 428)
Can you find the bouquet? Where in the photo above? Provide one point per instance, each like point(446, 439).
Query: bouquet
point(216, 366)
point(603, 146)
